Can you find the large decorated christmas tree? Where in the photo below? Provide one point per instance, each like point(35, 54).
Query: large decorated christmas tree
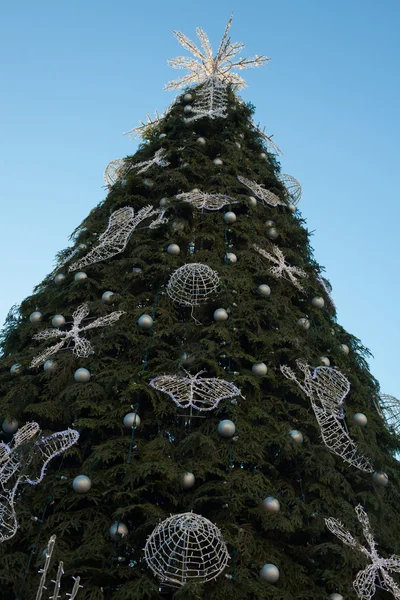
point(183, 415)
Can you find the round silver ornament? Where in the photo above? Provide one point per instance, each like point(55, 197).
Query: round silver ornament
point(229, 217)
point(145, 322)
point(218, 162)
point(304, 323)
point(264, 290)
point(272, 233)
point(59, 279)
point(318, 302)
point(271, 504)
point(50, 366)
point(220, 315)
point(252, 201)
point(10, 427)
point(131, 419)
point(188, 108)
point(360, 419)
point(260, 369)
point(80, 276)
point(16, 369)
point(238, 145)
point(187, 480)
point(230, 258)
point(269, 573)
point(324, 360)
point(163, 202)
point(292, 208)
point(178, 225)
point(380, 478)
point(297, 436)
point(226, 428)
point(107, 297)
point(201, 141)
point(263, 155)
point(58, 321)
point(35, 317)
point(336, 596)
point(173, 249)
point(137, 270)
point(188, 97)
point(162, 136)
point(81, 484)
point(344, 348)
point(269, 223)
point(118, 531)
point(148, 182)
point(82, 375)
point(82, 246)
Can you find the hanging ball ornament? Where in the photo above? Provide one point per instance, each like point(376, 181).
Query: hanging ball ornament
point(107, 297)
point(324, 360)
point(272, 233)
point(173, 249)
point(188, 108)
point(162, 136)
point(163, 202)
point(148, 182)
point(16, 369)
point(271, 504)
point(50, 366)
point(229, 217)
point(118, 531)
point(82, 375)
point(297, 436)
point(360, 419)
point(201, 141)
point(230, 258)
point(35, 317)
point(263, 155)
point(292, 208)
point(252, 201)
point(260, 369)
point(220, 315)
point(59, 279)
point(131, 419)
point(10, 427)
point(226, 428)
point(218, 162)
point(336, 596)
point(145, 322)
point(58, 321)
point(187, 480)
point(264, 290)
point(269, 223)
point(178, 225)
point(380, 478)
point(80, 276)
point(304, 323)
point(188, 97)
point(81, 484)
point(137, 270)
point(269, 573)
point(344, 348)
point(318, 302)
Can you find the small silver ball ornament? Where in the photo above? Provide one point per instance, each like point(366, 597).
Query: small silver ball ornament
point(188, 108)
point(218, 162)
point(145, 322)
point(271, 504)
point(35, 317)
point(336, 596)
point(81, 484)
point(80, 276)
point(344, 348)
point(360, 419)
point(318, 302)
point(162, 136)
point(118, 531)
point(187, 480)
point(188, 97)
point(292, 208)
point(201, 141)
point(220, 315)
point(304, 323)
point(324, 360)
point(229, 217)
point(178, 225)
point(260, 369)
point(226, 428)
point(59, 279)
point(252, 201)
point(272, 233)
point(230, 258)
point(263, 155)
point(269, 223)
point(148, 182)
point(264, 290)
point(16, 369)
point(238, 145)
point(137, 270)
point(50, 366)
point(107, 297)
point(131, 419)
point(58, 321)
point(163, 202)
point(269, 573)
point(82, 375)
point(10, 427)
point(173, 249)
point(297, 436)
point(380, 478)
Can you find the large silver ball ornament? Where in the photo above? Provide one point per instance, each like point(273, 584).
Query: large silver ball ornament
point(59, 279)
point(271, 504)
point(263, 155)
point(297, 436)
point(360, 419)
point(336, 596)
point(229, 217)
point(58, 321)
point(230, 258)
point(380, 478)
point(145, 322)
point(35, 317)
point(252, 201)
point(318, 302)
point(188, 97)
point(50, 366)
point(272, 233)
point(16, 369)
point(80, 276)
point(82, 375)
point(201, 141)
point(218, 162)
point(260, 369)
point(188, 108)
point(264, 290)
point(269, 223)
point(220, 315)
point(187, 480)
point(173, 249)
point(107, 297)
point(304, 323)
point(226, 428)
point(269, 573)
point(324, 360)
point(10, 427)
point(344, 348)
point(131, 419)
point(81, 484)
point(118, 531)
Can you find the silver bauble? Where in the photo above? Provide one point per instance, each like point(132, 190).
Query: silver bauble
point(218, 162)
point(145, 322)
point(35, 317)
point(269, 573)
point(50, 366)
point(238, 145)
point(360, 419)
point(380, 478)
point(201, 141)
point(173, 249)
point(260, 369)
point(188, 97)
point(162, 136)
point(230, 258)
point(137, 270)
point(188, 108)
point(81, 484)
point(297, 436)
point(10, 427)
point(82, 375)
point(163, 202)
point(229, 217)
point(269, 223)
point(118, 531)
point(59, 279)
point(187, 480)
point(220, 314)
point(58, 321)
point(324, 360)
point(263, 155)
point(148, 182)
point(292, 208)
point(16, 369)
point(80, 276)
point(226, 428)
point(264, 290)
point(336, 596)
point(252, 201)
point(271, 504)
point(272, 233)
point(131, 419)
point(178, 225)
point(344, 348)
point(82, 246)
point(318, 302)
point(107, 297)
point(304, 323)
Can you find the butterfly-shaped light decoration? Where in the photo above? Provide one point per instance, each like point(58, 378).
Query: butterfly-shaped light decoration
point(260, 192)
point(204, 200)
point(158, 159)
point(280, 268)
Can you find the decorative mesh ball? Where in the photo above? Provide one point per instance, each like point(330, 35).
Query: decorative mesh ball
point(271, 504)
point(229, 217)
point(80, 276)
point(188, 97)
point(304, 323)
point(58, 321)
point(264, 290)
point(173, 249)
point(201, 141)
point(16, 369)
point(318, 302)
point(324, 360)
point(296, 435)
point(336, 596)
point(269, 573)
point(220, 315)
point(81, 484)
point(188, 480)
point(107, 297)
point(145, 322)
point(186, 548)
point(272, 233)
point(230, 258)
point(259, 369)
point(10, 427)
point(118, 531)
point(35, 317)
point(82, 375)
point(380, 478)
point(218, 162)
point(192, 284)
point(131, 419)
point(292, 188)
point(59, 279)
point(360, 419)
point(50, 366)
point(252, 201)
point(226, 428)
point(344, 348)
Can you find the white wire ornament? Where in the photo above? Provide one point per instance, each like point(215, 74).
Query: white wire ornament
point(82, 347)
point(205, 66)
point(158, 160)
point(327, 388)
point(389, 408)
point(145, 127)
point(260, 192)
point(292, 187)
point(121, 224)
point(280, 267)
point(191, 392)
point(267, 139)
point(186, 548)
point(192, 284)
point(115, 170)
point(211, 101)
point(207, 201)
point(24, 460)
point(377, 574)
point(57, 580)
point(326, 287)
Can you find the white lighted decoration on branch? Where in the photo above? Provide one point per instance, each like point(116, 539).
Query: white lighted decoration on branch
point(115, 170)
point(267, 139)
point(158, 159)
point(203, 200)
point(211, 101)
point(57, 581)
point(24, 460)
point(258, 190)
point(280, 268)
point(186, 548)
point(145, 127)
point(292, 188)
point(192, 284)
point(378, 573)
point(326, 287)
point(190, 391)
point(121, 224)
point(81, 346)
point(205, 66)
point(327, 388)
point(389, 408)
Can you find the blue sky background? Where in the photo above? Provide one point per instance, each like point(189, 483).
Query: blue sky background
point(75, 75)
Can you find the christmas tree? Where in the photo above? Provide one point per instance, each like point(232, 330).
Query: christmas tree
point(183, 415)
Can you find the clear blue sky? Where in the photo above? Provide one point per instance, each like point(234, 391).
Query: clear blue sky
point(75, 75)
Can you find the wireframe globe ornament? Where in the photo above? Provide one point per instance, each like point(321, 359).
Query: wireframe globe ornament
point(186, 548)
point(292, 188)
point(389, 408)
point(192, 284)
